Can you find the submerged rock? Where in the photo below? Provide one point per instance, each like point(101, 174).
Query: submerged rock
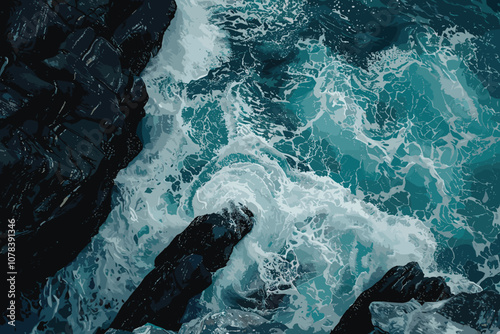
point(464, 313)
point(411, 317)
point(480, 311)
point(146, 329)
point(184, 269)
point(393, 317)
point(232, 321)
point(400, 284)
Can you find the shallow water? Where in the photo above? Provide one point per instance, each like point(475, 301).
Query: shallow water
point(357, 146)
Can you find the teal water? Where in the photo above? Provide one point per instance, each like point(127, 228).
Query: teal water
point(358, 147)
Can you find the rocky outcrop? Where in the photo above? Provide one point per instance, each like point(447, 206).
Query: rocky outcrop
point(70, 103)
point(480, 311)
point(184, 269)
point(405, 301)
point(233, 321)
point(400, 284)
point(471, 313)
point(147, 329)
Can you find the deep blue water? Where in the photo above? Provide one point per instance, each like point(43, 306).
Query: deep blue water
point(363, 135)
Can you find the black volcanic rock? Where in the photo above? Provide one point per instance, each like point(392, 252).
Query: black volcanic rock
point(183, 270)
point(480, 311)
point(70, 104)
point(463, 313)
point(400, 284)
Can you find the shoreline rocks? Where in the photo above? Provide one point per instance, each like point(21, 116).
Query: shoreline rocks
point(405, 301)
point(184, 269)
point(400, 284)
point(70, 106)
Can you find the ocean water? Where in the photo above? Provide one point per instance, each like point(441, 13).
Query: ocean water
point(362, 134)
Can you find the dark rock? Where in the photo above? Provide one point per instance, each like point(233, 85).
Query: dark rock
point(11, 102)
point(480, 311)
point(494, 4)
point(400, 284)
point(70, 104)
point(104, 63)
point(25, 81)
point(463, 313)
point(78, 42)
point(140, 35)
point(183, 270)
point(119, 11)
point(234, 322)
point(147, 329)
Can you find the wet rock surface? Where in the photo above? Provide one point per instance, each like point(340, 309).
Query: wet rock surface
point(233, 321)
point(463, 313)
point(184, 269)
point(70, 104)
point(480, 311)
point(400, 284)
point(411, 317)
point(405, 301)
point(147, 329)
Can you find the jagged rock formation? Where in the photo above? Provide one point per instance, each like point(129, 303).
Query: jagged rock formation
point(405, 301)
point(233, 321)
point(471, 313)
point(184, 269)
point(480, 311)
point(70, 103)
point(400, 284)
point(147, 329)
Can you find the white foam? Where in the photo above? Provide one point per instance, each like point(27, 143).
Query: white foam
point(304, 216)
point(192, 45)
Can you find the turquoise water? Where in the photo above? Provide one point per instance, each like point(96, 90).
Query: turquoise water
point(357, 146)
